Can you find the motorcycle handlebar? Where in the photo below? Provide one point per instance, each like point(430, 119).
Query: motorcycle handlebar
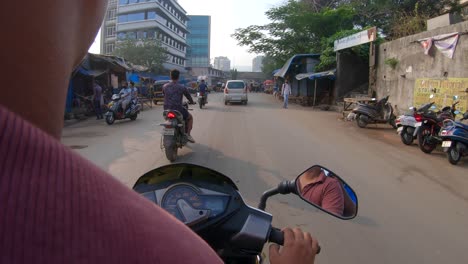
point(277, 236)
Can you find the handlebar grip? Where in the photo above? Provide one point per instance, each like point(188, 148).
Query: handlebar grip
point(276, 236)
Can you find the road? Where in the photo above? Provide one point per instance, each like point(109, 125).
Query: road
point(413, 207)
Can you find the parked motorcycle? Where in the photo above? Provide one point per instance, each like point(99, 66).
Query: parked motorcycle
point(116, 112)
point(454, 136)
point(173, 135)
point(409, 123)
point(201, 99)
point(428, 133)
point(211, 205)
point(382, 112)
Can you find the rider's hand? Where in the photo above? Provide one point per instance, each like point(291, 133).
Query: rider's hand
point(299, 247)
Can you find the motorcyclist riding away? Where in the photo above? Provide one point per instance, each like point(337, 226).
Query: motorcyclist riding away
point(56, 206)
point(173, 95)
point(202, 88)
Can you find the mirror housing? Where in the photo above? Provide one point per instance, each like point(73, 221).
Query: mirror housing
point(328, 192)
point(341, 202)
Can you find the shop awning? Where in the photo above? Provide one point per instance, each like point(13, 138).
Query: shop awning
point(92, 73)
point(317, 75)
point(283, 71)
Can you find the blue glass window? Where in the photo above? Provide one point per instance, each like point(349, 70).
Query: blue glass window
point(123, 2)
point(136, 16)
point(134, 1)
point(122, 19)
point(151, 34)
point(122, 35)
point(131, 35)
point(151, 15)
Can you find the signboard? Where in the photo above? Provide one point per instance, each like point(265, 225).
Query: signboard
point(362, 37)
point(443, 91)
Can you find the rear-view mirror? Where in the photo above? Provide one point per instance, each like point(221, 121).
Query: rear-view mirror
point(327, 191)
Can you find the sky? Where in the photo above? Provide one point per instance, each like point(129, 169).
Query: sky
point(226, 17)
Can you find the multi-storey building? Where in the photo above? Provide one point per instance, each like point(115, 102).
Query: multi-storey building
point(162, 20)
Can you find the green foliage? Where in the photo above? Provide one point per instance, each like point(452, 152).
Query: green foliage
point(234, 74)
point(392, 62)
point(295, 29)
point(311, 26)
point(148, 53)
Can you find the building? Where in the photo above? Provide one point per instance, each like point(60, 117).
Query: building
point(163, 20)
point(198, 40)
point(222, 63)
point(108, 29)
point(257, 63)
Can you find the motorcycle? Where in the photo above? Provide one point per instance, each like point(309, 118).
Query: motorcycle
point(454, 136)
point(430, 127)
point(201, 99)
point(211, 205)
point(382, 112)
point(173, 135)
point(409, 123)
point(116, 112)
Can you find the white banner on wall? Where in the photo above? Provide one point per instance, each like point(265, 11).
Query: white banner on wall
point(362, 37)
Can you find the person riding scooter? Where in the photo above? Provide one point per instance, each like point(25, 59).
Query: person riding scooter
point(202, 88)
point(126, 96)
point(173, 95)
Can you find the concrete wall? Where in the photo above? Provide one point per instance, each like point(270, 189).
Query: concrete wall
point(413, 64)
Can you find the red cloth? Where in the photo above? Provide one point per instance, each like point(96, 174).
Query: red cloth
point(326, 193)
point(56, 207)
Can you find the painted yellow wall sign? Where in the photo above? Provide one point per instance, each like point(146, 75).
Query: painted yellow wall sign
point(443, 91)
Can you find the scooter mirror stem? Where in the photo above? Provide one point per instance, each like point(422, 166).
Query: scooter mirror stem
point(284, 187)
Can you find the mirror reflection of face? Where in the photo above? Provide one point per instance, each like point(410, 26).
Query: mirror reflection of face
point(324, 189)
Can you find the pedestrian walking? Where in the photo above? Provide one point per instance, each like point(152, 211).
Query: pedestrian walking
point(286, 91)
point(98, 100)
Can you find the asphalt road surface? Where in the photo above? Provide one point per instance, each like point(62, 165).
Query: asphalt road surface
point(413, 207)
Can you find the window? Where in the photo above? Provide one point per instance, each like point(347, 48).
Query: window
point(109, 48)
point(131, 35)
point(136, 16)
point(122, 35)
point(151, 15)
point(151, 34)
point(134, 1)
point(235, 85)
point(111, 13)
point(110, 31)
point(122, 19)
point(141, 35)
point(123, 2)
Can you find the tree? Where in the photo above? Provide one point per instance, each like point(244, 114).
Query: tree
point(148, 53)
point(295, 28)
point(234, 74)
point(399, 18)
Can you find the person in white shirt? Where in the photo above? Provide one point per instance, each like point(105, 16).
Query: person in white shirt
point(134, 92)
point(286, 91)
point(126, 95)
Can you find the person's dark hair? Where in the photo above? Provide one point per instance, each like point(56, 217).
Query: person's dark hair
point(202, 81)
point(175, 74)
point(132, 83)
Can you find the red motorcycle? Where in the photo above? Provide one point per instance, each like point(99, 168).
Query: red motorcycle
point(432, 123)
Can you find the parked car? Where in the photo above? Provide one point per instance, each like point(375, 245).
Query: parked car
point(235, 91)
